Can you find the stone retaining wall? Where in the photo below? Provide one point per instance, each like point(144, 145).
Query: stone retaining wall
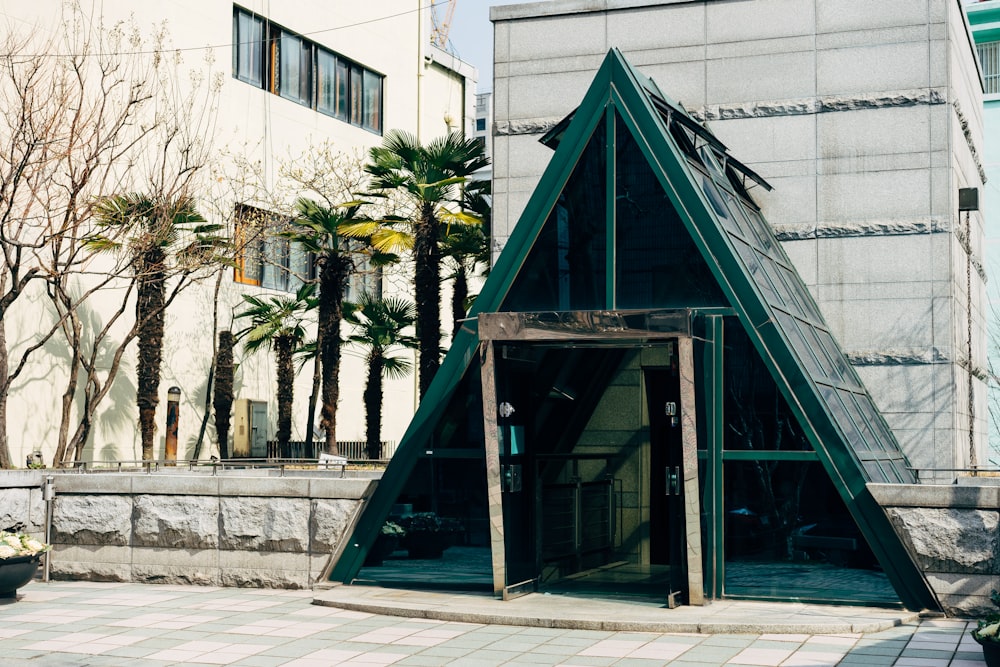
point(229, 530)
point(951, 532)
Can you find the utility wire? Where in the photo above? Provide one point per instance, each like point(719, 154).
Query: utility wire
point(227, 45)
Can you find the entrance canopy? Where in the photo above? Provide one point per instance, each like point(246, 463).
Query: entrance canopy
point(642, 229)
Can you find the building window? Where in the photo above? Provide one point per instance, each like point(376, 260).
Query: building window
point(294, 57)
point(989, 59)
point(265, 258)
point(290, 64)
point(248, 48)
point(480, 125)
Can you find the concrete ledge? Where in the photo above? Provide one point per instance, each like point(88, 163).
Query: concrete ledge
point(950, 496)
point(556, 611)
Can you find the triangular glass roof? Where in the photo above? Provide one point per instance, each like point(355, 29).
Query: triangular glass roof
point(709, 218)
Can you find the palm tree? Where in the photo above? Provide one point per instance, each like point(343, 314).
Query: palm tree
point(276, 323)
point(380, 323)
point(429, 178)
point(317, 228)
point(148, 230)
point(468, 246)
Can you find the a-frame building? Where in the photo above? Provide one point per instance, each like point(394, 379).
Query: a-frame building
point(646, 394)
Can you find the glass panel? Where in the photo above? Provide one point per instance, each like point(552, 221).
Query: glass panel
point(277, 255)
point(756, 414)
point(716, 201)
point(763, 229)
point(372, 102)
point(793, 332)
point(440, 522)
point(293, 68)
point(342, 90)
point(844, 372)
point(356, 96)
point(829, 371)
point(755, 270)
point(326, 82)
point(565, 269)
point(843, 419)
point(789, 535)
point(657, 262)
point(248, 48)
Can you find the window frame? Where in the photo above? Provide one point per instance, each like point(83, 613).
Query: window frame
point(358, 92)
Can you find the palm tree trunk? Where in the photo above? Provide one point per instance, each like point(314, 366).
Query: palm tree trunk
point(373, 407)
point(458, 297)
point(222, 400)
point(149, 311)
point(333, 279)
point(313, 400)
point(283, 346)
point(427, 294)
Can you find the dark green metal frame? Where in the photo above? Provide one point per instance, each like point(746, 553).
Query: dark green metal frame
point(619, 89)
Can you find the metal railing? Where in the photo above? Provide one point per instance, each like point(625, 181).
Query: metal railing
point(214, 467)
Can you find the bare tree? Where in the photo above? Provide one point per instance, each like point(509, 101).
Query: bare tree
point(87, 111)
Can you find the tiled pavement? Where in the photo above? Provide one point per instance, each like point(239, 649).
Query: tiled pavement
point(68, 623)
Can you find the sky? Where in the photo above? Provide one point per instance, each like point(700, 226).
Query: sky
point(471, 36)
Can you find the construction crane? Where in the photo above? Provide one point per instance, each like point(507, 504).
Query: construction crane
point(441, 26)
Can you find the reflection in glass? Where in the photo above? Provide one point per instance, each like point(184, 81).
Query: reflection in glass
point(657, 263)
point(789, 535)
point(757, 416)
point(565, 269)
point(440, 521)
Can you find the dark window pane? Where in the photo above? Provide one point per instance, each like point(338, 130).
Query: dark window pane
point(751, 260)
point(356, 95)
point(342, 93)
point(788, 534)
point(326, 82)
point(565, 269)
point(372, 102)
point(657, 262)
point(793, 332)
point(248, 48)
point(757, 416)
point(294, 68)
point(480, 125)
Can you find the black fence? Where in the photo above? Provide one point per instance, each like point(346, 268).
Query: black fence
point(352, 450)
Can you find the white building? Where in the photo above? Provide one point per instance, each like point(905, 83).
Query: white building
point(294, 75)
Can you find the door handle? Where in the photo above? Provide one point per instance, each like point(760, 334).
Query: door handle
point(673, 480)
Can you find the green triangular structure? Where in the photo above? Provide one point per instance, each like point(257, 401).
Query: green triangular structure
point(706, 187)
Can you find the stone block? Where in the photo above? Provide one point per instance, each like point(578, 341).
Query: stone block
point(101, 520)
point(899, 194)
point(867, 132)
point(547, 95)
point(657, 28)
point(271, 487)
point(956, 541)
point(247, 569)
point(761, 140)
point(330, 519)
point(547, 38)
point(871, 69)
point(792, 202)
point(763, 19)
point(265, 524)
point(93, 484)
point(866, 15)
point(775, 76)
point(186, 575)
point(181, 522)
point(176, 484)
point(15, 512)
point(73, 571)
point(347, 489)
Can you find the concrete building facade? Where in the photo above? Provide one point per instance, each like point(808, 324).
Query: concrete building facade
point(866, 118)
point(282, 71)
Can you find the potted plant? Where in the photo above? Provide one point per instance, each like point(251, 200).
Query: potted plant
point(386, 542)
point(428, 535)
point(19, 558)
point(986, 634)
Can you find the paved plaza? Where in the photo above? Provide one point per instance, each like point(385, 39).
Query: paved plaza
point(78, 623)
